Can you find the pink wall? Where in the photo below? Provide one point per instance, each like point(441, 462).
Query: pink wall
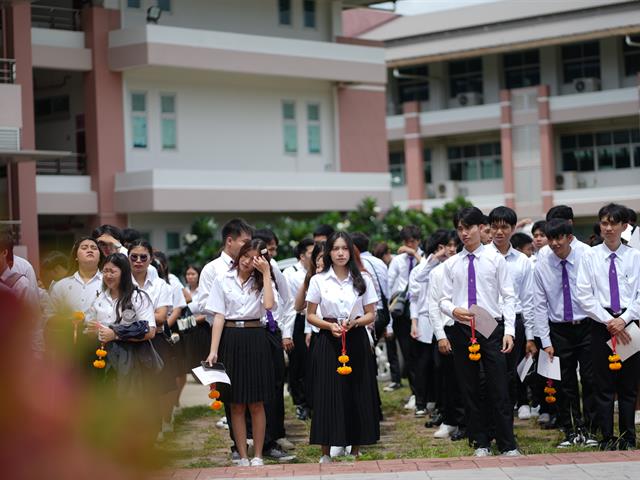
point(23, 175)
point(413, 154)
point(363, 133)
point(104, 115)
point(506, 146)
point(356, 21)
point(548, 166)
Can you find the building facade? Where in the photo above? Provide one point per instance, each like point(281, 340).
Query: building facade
point(163, 111)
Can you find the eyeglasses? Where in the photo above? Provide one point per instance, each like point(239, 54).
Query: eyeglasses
point(142, 258)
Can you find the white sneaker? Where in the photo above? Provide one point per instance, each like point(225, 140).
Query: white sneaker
point(637, 419)
point(544, 418)
point(512, 453)
point(257, 462)
point(445, 431)
point(482, 452)
point(420, 413)
point(535, 411)
point(431, 406)
point(524, 412)
point(411, 404)
point(325, 459)
point(336, 452)
point(244, 462)
point(222, 422)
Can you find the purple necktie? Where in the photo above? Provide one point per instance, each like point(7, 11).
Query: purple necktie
point(471, 282)
point(411, 259)
point(271, 322)
point(613, 285)
point(566, 293)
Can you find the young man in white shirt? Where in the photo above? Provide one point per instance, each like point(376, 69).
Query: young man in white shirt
point(564, 330)
point(609, 292)
point(479, 275)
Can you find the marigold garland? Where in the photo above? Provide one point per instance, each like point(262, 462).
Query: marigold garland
point(614, 360)
point(101, 353)
point(474, 348)
point(214, 394)
point(76, 318)
point(344, 358)
point(550, 391)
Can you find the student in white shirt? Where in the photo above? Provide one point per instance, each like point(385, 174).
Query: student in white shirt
point(608, 287)
point(198, 338)
point(239, 299)
point(346, 408)
point(564, 330)
point(480, 271)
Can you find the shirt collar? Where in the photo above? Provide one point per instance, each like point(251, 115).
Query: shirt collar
point(606, 251)
point(477, 252)
point(510, 252)
point(226, 258)
point(571, 258)
point(98, 276)
point(300, 266)
point(332, 274)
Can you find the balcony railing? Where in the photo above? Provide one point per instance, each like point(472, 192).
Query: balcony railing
point(73, 165)
point(7, 70)
point(59, 18)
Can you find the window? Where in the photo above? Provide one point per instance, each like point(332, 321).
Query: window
point(168, 121)
point(164, 5)
point(397, 168)
point(521, 69)
point(475, 162)
point(313, 128)
point(139, 119)
point(52, 108)
point(284, 12)
point(290, 127)
point(609, 150)
point(631, 56)
point(465, 76)
point(413, 84)
point(173, 241)
point(133, 3)
point(580, 60)
point(309, 8)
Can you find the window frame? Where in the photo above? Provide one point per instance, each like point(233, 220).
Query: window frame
point(314, 123)
point(138, 114)
point(596, 147)
point(315, 14)
point(169, 116)
point(582, 60)
point(465, 161)
point(139, 7)
point(520, 68)
point(468, 74)
point(627, 52)
point(279, 11)
point(289, 122)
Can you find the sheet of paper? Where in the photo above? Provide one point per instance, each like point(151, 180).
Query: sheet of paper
point(207, 377)
point(625, 351)
point(524, 366)
point(547, 368)
point(485, 323)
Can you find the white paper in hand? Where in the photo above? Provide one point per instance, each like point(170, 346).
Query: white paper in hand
point(207, 377)
point(547, 368)
point(485, 323)
point(524, 366)
point(625, 351)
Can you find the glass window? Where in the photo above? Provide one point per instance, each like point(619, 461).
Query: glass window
point(173, 241)
point(475, 162)
point(581, 60)
point(521, 69)
point(396, 168)
point(164, 5)
point(465, 76)
point(309, 7)
point(608, 150)
point(168, 121)
point(413, 84)
point(313, 128)
point(290, 127)
point(631, 56)
point(139, 119)
point(133, 3)
point(284, 12)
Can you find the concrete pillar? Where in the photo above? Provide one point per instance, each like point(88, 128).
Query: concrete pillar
point(506, 147)
point(23, 175)
point(547, 163)
point(413, 154)
point(104, 114)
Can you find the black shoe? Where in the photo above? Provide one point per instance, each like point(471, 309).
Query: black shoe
point(302, 413)
point(392, 386)
point(461, 434)
point(435, 421)
point(571, 439)
point(276, 454)
point(608, 445)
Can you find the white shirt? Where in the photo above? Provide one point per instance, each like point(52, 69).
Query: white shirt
point(380, 274)
point(436, 317)
point(338, 298)
point(492, 282)
point(158, 290)
point(522, 278)
point(295, 275)
point(419, 306)
point(72, 293)
point(20, 265)
point(546, 250)
point(548, 292)
point(593, 282)
point(399, 272)
point(236, 301)
point(219, 266)
point(104, 308)
point(285, 316)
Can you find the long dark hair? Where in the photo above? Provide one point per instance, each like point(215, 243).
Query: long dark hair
point(259, 246)
point(162, 265)
point(126, 289)
point(352, 265)
point(73, 258)
point(318, 249)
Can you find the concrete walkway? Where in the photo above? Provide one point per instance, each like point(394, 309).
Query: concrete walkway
point(562, 466)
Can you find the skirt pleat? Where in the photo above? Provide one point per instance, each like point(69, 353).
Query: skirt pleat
point(346, 408)
point(247, 359)
point(197, 345)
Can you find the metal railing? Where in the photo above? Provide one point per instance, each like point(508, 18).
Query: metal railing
point(59, 18)
point(7, 70)
point(75, 164)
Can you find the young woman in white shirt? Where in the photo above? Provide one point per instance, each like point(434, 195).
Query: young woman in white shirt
point(345, 407)
point(238, 300)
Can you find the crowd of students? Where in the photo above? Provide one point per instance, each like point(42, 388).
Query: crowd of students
point(330, 312)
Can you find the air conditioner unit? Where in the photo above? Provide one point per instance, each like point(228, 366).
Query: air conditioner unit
point(567, 181)
point(590, 84)
point(448, 190)
point(9, 138)
point(467, 99)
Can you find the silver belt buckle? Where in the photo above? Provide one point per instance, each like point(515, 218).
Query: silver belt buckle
point(240, 324)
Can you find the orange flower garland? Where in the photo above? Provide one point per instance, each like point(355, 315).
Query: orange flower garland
point(614, 360)
point(474, 348)
point(550, 391)
point(214, 395)
point(344, 358)
point(77, 318)
point(101, 353)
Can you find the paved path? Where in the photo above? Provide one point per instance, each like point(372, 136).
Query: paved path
point(562, 466)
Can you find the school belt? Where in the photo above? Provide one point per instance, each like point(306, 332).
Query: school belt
point(243, 323)
point(569, 322)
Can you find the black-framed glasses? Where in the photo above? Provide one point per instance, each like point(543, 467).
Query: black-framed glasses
point(143, 258)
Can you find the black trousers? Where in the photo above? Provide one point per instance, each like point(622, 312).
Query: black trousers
point(572, 344)
point(608, 383)
point(298, 363)
point(494, 364)
point(402, 331)
point(451, 402)
point(424, 362)
point(513, 358)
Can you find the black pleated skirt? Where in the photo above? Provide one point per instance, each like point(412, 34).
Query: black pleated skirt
point(246, 356)
point(346, 408)
point(197, 345)
point(166, 378)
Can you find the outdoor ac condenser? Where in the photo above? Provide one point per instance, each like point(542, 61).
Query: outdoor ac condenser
point(467, 99)
point(590, 84)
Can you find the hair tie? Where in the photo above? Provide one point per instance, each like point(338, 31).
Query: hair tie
point(264, 251)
